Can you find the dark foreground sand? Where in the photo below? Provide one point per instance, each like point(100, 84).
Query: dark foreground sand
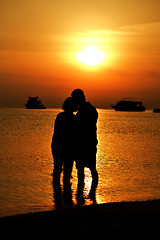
point(126, 220)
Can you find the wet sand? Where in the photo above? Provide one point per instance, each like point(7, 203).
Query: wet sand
point(127, 220)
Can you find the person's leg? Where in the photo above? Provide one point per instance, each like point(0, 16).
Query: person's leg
point(57, 191)
point(68, 165)
point(80, 185)
point(67, 192)
point(57, 171)
point(92, 166)
point(94, 177)
point(94, 182)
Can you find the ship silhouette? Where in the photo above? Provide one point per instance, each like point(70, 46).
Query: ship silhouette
point(129, 105)
point(156, 110)
point(34, 103)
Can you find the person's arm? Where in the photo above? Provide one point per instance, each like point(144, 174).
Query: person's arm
point(54, 133)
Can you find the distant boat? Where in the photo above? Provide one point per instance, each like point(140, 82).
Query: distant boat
point(129, 105)
point(34, 103)
point(156, 110)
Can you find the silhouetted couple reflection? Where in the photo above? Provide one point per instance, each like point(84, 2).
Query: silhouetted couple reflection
point(74, 139)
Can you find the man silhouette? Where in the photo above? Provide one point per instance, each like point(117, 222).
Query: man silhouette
point(85, 140)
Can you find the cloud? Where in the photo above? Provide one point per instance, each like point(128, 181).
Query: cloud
point(152, 28)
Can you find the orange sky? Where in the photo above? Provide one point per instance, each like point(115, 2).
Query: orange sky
point(40, 39)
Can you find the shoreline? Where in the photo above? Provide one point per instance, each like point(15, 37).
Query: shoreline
point(130, 220)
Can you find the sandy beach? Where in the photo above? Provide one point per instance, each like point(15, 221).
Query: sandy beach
point(129, 220)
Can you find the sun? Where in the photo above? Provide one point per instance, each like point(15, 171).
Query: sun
point(91, 56)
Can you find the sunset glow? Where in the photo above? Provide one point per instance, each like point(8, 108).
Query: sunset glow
point(110, 49)
point(91, 56)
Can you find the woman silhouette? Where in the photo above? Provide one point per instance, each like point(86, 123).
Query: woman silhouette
point(62, 149)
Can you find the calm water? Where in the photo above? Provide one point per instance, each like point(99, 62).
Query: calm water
point(128, 159)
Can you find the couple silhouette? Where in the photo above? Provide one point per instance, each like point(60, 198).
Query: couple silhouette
point(74, 139)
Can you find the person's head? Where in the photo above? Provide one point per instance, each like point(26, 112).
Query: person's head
point(78, 97)
point(69, 106)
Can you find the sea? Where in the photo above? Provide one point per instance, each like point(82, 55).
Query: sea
point(128, 159)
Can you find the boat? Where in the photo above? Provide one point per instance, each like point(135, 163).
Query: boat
point(129, 105)
point(34, 103)
point(156, 110)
